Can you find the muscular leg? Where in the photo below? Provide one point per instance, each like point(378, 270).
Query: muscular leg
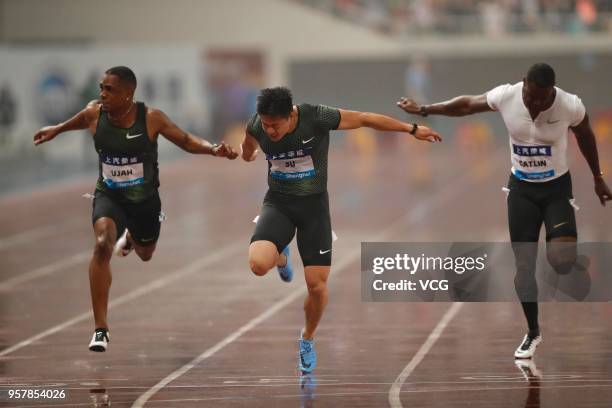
point(274, 231)
point(316, 300)
point(100, 278)
point(314, 240)
point(525, 220)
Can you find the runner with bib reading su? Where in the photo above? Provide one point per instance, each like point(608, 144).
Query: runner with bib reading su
point(295, 140)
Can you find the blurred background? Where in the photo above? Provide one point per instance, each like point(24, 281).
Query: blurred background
point(203, 62)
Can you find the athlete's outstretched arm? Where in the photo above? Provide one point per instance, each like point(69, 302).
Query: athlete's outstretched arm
point(588, 146)
point(185, 140)
point(79, 121)
point(458, 106)
point(249, 147)
point(354, 120)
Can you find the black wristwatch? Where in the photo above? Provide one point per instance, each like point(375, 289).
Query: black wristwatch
point(414, 129)
point(423, 111)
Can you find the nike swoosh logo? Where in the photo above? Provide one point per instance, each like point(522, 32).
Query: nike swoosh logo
point(552, 122)
point(147, 240)
point(128, 136)
point(324, 252)
point(306, 141)
point(560, 224)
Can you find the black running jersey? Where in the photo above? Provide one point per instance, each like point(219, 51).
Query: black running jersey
point(128, 166)
point(297, 164)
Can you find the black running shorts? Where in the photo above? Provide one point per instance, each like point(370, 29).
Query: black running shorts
point(283, 214)
point(531, 204)
point(141, 219)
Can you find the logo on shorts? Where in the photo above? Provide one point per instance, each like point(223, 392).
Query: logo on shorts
point(560, 224)
point(306, 141)
point(323, 252)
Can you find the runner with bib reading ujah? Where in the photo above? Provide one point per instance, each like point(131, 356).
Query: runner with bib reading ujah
point(126, 208)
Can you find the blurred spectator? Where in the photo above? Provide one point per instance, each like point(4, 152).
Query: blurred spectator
point(491, 17)
point(494, 18)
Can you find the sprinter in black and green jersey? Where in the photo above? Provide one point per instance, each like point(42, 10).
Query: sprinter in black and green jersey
point(126, 202)
point(295, 140)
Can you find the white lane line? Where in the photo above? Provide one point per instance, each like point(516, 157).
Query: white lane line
point(345, 262)
point(394, 392)
point(189, 269)
point(26, 237)
point(413, 216)
point(190, 220)
point(45, 270)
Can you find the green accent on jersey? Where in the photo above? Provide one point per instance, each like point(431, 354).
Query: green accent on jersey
point(128, 167)
point(309, 140)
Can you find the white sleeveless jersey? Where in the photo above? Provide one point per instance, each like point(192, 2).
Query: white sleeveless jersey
point(538, 148)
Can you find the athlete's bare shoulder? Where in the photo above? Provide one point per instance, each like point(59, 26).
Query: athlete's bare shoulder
point(157, 120)
point(94, 105)
point(155, 114)
point(92, 109)
point(91, 113)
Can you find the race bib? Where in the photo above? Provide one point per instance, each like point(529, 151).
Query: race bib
point(293, 165)
point(121, 172)
point(532, 162)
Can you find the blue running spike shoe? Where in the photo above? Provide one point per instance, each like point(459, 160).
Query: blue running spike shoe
point(286, 272)
point(307, 357)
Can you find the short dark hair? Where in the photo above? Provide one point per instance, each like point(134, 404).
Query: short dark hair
point(541, 74)
point(275, 102)
point(124, 73)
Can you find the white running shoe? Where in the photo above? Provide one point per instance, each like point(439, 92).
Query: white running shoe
point(99, 340)
point(528, 346)
point(122, 246)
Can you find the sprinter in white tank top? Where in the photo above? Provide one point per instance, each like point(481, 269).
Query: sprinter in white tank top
point(538, 116)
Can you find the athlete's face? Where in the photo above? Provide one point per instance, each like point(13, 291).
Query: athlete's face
point(276, 126)
point(537, 98)
point(114, 94)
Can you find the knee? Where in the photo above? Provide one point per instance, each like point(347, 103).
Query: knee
point(317, 288)
point(525, 267)
point(103, 248)
point(562, 260)
point(562, 266)
point(524, 281)
point(526, 289)
point(259, 267)
point(145, 255)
